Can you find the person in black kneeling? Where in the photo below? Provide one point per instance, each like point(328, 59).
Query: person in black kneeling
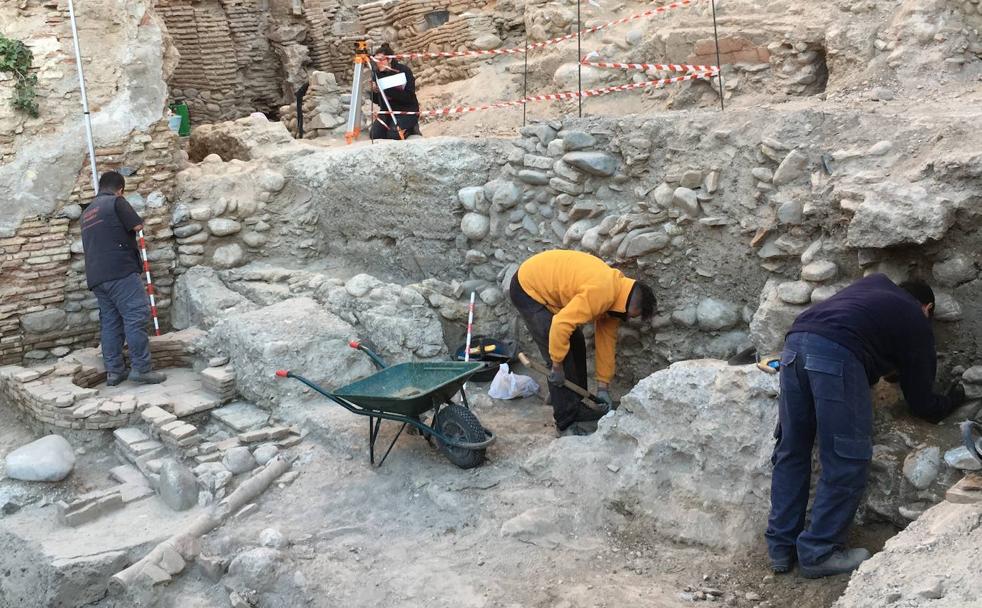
point(833, 353)
point(401, 98)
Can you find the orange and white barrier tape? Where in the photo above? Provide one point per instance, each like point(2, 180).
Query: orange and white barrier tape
point(150, 289)
point(538, 45)
point(560, 96)
point(661, 67)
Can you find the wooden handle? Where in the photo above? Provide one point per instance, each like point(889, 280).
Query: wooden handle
point(588, 399)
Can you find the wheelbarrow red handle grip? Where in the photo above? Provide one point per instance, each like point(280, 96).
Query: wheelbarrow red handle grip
point(282, 373)
point(354, 344)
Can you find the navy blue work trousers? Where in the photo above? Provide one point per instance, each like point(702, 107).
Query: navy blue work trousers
point(124, 311)
point(825, 394)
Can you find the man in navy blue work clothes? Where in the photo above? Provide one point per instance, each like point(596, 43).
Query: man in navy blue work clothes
point(833, 353)
point(112, 272)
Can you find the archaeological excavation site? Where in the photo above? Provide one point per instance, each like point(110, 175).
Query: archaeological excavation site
point(629, 294)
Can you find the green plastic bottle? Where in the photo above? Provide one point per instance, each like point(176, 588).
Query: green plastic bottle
point(181, 109)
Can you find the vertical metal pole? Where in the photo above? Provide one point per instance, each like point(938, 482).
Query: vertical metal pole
point(525, 82)
point(719, 73)
point(579, 62)
point(354, 111)
point(87, 120)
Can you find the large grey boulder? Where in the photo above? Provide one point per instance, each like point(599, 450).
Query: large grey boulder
point(49, 458)
point(687, 454)
point(177, 486)
point(296, 334)
point(772, 320)
point(44, 321)
point(899, 214)
point(201, 299)
point(594, 163)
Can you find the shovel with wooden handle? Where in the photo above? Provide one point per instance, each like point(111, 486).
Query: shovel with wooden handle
point(588, 399)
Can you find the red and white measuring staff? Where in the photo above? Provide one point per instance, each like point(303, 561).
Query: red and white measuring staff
point(538, 45)
point(561, 96)
point(470, 331)
point(150, 289)
point(661, 67)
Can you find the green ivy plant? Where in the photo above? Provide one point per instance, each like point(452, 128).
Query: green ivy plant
point(16, 58)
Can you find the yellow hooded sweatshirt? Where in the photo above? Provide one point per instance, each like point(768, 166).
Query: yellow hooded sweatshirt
point(578, 288)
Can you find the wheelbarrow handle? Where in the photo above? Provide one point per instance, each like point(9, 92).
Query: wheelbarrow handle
point(357, 345)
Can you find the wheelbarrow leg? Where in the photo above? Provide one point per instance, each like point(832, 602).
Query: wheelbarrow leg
point(386, 455)
point(373, 428)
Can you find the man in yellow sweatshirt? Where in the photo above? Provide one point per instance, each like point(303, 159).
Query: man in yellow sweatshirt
point(558, 291)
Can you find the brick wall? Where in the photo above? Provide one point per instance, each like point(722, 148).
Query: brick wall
point(45, 307)
point(227, 67)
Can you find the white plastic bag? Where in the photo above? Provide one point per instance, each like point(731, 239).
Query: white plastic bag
point(507, 385)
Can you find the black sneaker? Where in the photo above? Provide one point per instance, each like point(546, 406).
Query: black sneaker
point(117, 379)
point(841, 561)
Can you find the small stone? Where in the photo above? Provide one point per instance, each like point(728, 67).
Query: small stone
point(218, 361)
point(932, 589)
point(714, 315)
point(791, 168)
point(223, 227)
point(663, 195)
point(795, 292)
point(49, 458)
point(954, 271)
point(880, 148)
point(790, 213)
point(691, 179)
point(594, 163)
point(577, 140)
point(183, 232)
point(239, 460)
point(973, 375)
point(752, 597)
point(177, 486)
point(762, 174)
point(823, 292)
point(475, 226)
point(881, 94)
point(265, 453)
point(818, 271)
point(961, 459)
point(271, 537)
point(228, 256)
point(686, 201)
point(922, 467)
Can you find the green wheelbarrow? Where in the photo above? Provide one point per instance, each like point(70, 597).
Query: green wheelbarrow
point(403, 393)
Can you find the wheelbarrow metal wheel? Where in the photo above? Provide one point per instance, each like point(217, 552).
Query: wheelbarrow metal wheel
point(458, 423)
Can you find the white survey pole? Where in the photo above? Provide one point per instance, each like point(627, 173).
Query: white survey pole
point(86, 119)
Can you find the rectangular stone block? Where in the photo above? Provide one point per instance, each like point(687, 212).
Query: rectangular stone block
point(130, 435)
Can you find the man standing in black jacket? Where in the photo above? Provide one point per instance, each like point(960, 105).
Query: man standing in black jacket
point(833, 353)
point(112, 272)
point(401, 98)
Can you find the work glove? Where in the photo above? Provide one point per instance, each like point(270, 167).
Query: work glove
point(604, 400)
point(956, 394)
point(557, 377)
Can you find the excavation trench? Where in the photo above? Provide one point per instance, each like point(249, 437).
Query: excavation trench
point(286, 251)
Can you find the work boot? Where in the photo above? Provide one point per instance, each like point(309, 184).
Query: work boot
point(117, 379)
point(782, 564)
point(840, 561)
point(150, 377)
point(578, 429)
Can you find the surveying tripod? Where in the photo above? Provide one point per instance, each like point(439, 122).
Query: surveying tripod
point(354, 111)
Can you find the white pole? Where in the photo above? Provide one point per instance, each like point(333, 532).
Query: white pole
point(87, 120)
point(470, 328)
